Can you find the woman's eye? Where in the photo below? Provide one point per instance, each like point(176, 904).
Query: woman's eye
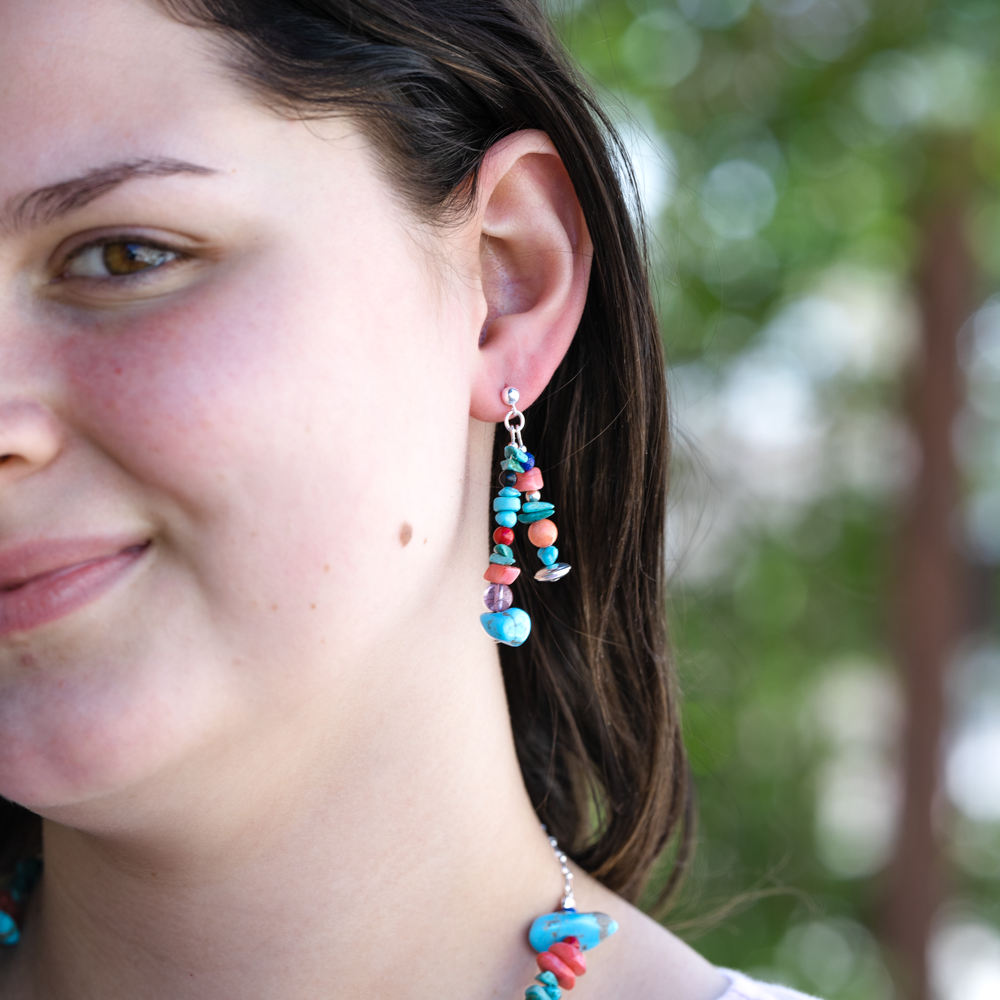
point(118, 259)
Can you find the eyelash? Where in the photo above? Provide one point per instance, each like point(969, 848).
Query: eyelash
point(178, 256)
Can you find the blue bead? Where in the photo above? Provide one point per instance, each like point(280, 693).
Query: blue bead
point(534, 992)
point(509, 491)
point(9, 934)
point(503, 550)
point(507, 503)
point(528, 461)
point(502, 560)
point(510, 627)
point(508, 478)
point(535, 515)
point(533, 506)
point(590, 928)
point(548, 555)
point(506, 518)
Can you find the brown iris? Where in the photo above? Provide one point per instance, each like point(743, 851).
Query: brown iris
point(128, 258)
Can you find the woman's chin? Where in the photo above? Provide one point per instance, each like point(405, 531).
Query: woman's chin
point(68, 743)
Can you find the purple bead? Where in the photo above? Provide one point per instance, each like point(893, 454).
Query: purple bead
point(498, 597)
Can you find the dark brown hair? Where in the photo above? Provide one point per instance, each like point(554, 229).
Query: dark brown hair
point(434, 83)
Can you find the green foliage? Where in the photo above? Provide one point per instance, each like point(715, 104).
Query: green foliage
point(787, 150)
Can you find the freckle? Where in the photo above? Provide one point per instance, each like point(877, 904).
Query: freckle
point(28, 660)
point(326, 569)
point(118, 371)
point(425, 541)
point(313, 606)
point(405, 534)
point(274, 607)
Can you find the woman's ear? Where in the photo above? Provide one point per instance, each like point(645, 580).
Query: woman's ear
point(535, 256)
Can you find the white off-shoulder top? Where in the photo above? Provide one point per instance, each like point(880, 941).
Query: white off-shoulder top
point(744, 988)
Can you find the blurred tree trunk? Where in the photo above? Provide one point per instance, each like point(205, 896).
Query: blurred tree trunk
point(929, 594)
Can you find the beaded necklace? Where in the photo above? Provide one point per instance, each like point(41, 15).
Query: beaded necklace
point(559, 938)
point(562, 937)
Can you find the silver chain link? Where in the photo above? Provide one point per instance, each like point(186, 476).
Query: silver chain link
point(568, 902)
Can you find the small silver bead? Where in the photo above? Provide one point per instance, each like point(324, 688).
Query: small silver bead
point(510, 396)
point(533, 497)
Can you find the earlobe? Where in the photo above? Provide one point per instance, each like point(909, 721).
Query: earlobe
point(535, 256)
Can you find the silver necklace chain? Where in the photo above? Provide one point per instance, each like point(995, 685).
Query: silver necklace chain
point(568, 901)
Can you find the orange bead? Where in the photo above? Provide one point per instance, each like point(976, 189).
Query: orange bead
point(542, 533)
point(570, 955)
point(548, 962)
point(530, 481)
point(501, 574)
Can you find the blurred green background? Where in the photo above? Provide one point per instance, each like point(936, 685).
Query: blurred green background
point(822, 183)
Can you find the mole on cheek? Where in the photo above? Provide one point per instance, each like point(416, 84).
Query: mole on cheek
point(405, 534)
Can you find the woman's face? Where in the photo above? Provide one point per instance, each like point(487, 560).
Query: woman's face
point(234, 397)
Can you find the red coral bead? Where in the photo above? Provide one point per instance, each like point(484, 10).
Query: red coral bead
point(495, 573)
point(503, 536)
point(548, 962)
point(570, 955)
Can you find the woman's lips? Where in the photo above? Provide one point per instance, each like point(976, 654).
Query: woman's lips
point(44, 582)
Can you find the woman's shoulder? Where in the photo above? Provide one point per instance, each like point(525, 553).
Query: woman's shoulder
point(742, 987)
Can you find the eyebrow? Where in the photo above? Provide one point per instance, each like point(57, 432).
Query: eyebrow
point(47, 204)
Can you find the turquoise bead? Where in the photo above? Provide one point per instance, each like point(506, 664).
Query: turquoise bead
point(9, 934)
point(510, 627)
point(506, 518)
point(534, 515)
point(503, 550)
point(509, 491)
point(511, 465)
point(502, 560)
point(516, 454)
point(535, 505)
point(590, 928)
point(550, 984)
point(534, 992)
point(548, 555)
point(507, 503)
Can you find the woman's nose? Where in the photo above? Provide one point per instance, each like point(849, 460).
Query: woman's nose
point(29, 439)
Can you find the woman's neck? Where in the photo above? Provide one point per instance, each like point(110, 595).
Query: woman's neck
point(388, 855)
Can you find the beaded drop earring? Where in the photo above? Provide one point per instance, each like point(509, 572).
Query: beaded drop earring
point(518, 474)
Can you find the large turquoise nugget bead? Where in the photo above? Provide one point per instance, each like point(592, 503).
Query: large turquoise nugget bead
point(510, 627)
point(534, 992)
point(501, 560)
point(508, 464)
point(505, 518)
point(590, 928)
point(504, 550)
point(507, 503)
point(509, 491)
